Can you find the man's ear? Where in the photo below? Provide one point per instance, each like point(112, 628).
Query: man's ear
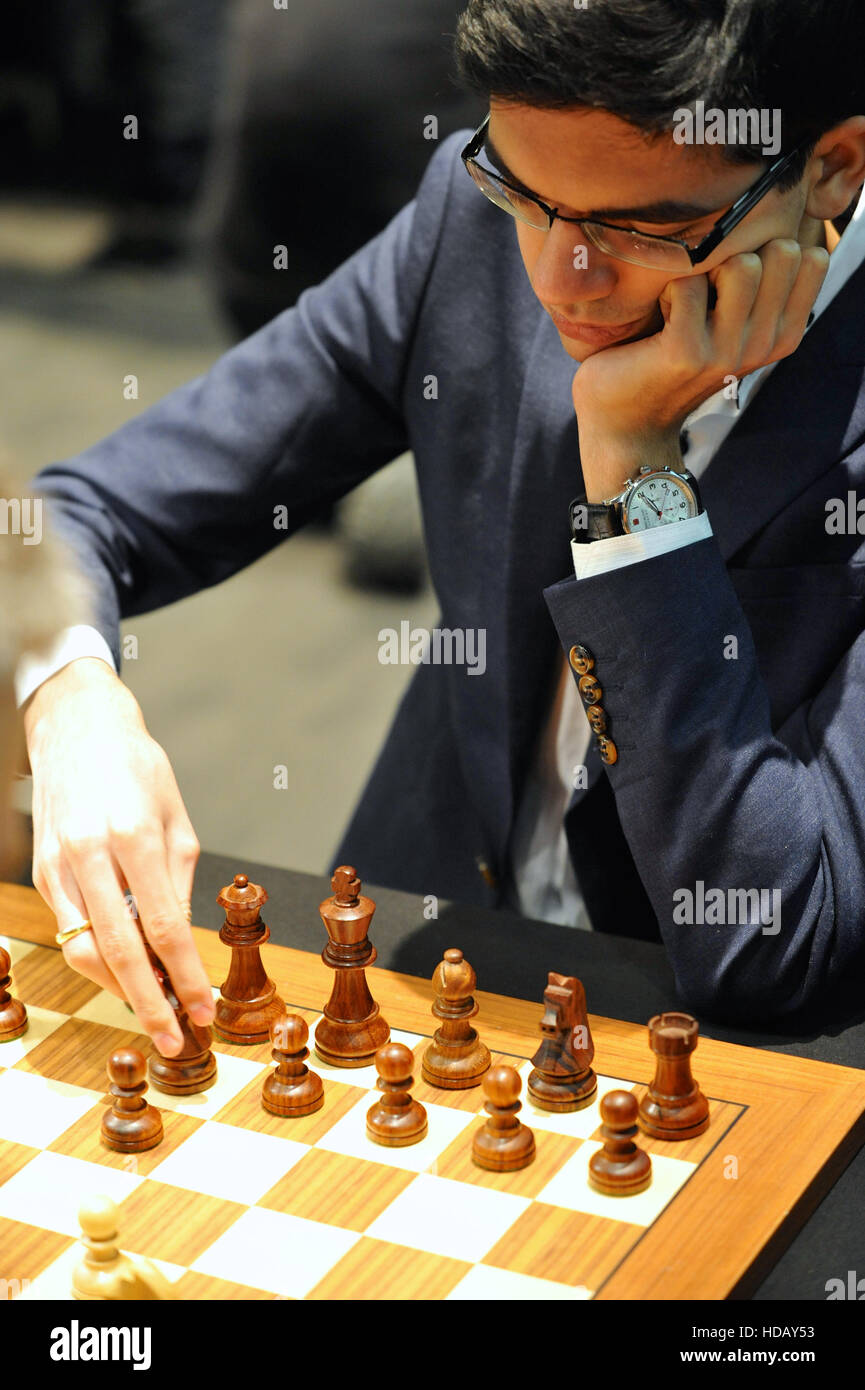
point(838, 163)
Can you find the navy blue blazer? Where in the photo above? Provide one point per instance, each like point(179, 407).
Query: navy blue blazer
point(743, 773)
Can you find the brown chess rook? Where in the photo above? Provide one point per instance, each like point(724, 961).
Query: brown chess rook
point(131, 1125)
point(620, 1168)
point(562, 1078)
point(503, 1143)
point(247, 1003)
point(456, 1058)
point(674, 1107)
point(13, 1015)
point(292, 1089)
point(397, 1118)
point(194, 1067)
point(352, 1028)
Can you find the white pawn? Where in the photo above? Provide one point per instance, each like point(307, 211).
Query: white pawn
point(107, 1272)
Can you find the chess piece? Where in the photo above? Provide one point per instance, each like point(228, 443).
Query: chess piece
point(194, 1068)
point(562, 1078)
point(131, 1125)
point(106, 1272)
point(13, 1015)
point(248, 1004)
point(503, 1143)
point(674, 1107)
point(352, 1028)
point(620, 1168)
point(397, 1119)
point(456, 1058)
point(292, 1089)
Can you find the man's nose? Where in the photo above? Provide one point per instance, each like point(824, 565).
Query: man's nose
point(570, 269)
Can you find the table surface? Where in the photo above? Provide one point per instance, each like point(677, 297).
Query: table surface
point(624, 979)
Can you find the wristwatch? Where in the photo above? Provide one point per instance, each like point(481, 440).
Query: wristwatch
point(655, 497)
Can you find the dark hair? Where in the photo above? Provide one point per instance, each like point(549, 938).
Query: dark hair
point(642, 60)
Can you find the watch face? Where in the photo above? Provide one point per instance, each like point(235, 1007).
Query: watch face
point(656, 500)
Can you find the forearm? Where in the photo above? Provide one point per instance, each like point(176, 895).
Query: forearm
point(709, 797)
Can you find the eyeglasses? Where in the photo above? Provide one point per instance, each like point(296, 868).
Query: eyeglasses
point(638, 248)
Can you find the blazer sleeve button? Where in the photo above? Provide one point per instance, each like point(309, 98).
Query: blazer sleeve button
point(608, 750)
point(590, 690)
point(581, 660)
point(597, 719)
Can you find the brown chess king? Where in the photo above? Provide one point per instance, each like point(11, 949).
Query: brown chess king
point(352, 1028)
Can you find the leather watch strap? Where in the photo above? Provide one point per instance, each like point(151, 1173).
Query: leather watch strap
point(602, 521)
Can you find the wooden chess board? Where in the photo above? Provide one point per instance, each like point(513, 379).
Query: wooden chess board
point(240, 1204)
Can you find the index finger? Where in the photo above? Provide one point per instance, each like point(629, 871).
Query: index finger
point(166, 925)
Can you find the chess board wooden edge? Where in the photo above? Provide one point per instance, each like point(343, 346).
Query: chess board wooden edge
point(801, 1122)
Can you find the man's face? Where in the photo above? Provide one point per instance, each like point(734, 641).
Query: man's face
point(590, 164)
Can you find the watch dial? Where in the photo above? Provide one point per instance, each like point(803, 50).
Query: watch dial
point(658, 500)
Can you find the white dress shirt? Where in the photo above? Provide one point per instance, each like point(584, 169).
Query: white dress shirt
point(541, 879)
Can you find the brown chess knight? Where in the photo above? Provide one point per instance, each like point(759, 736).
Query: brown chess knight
point(562, 1078)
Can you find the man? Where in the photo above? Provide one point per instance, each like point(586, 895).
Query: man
point(717, 795)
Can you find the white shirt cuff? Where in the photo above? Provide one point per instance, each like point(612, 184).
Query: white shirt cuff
point(599, 557)
point(72, 643)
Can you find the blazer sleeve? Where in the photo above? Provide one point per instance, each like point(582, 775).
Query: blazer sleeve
point(223, 469)
point(711, 797)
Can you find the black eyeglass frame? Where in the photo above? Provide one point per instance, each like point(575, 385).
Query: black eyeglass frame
point(722, 228)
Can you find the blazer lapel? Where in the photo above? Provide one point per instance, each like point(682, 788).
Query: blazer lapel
point(805, 416)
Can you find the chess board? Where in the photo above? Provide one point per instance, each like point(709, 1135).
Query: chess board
point(240, 1204)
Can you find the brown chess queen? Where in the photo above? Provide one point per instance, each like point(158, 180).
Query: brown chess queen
point(352, 1029)
point(247, 1005)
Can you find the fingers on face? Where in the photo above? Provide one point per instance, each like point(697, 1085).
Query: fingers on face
point(764, 301)
point(781, 260)
point(808, 283)
point(737, 282)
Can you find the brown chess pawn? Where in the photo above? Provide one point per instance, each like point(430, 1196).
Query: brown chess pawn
point(456, 1058)
point(131, 1125)
point(194, 1068)
point(674, 1107)
point(292, 1089)
point(248, 1003)
point(504, 1142)
point(397, 1119)
point(13, 1015)
point(352, 1029)
point(620, 1168)
point(562, 1078)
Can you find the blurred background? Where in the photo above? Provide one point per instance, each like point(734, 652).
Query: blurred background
point(152, 154)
